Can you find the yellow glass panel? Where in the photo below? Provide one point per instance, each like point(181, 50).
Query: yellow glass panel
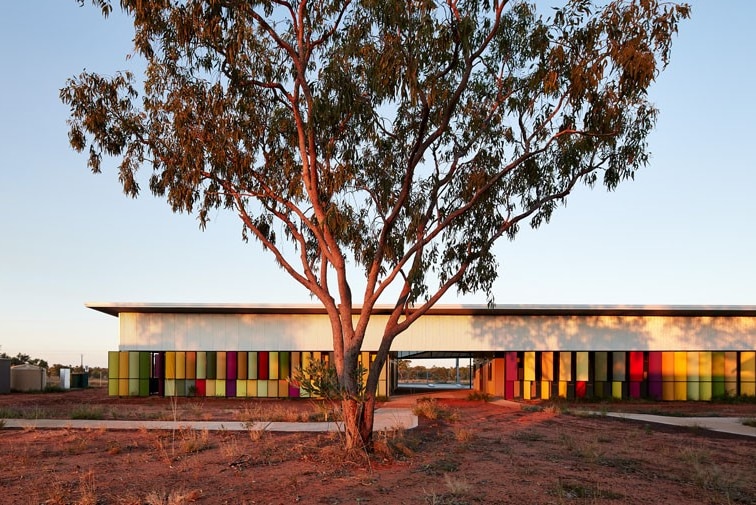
point(316, 356)
point(748, 388)
point(681, 367)
point(220, 387)
point(123, 366)
point(180, 365)
point(704, 366)
point(545, 390)
point(526, 390)
point(617, 389)
point(123, 386)
point(718, 366)
point(562, 388)
point(731, 388)
point(241, 388)
point(252, 388)
point(547, 366)
point(283, 388)
point(210, 387)
point(113, 387)
point(273, 367)
point(581, 366)
point(170, 366)
point(681, 391)
point(529, 367)
point(748, 367)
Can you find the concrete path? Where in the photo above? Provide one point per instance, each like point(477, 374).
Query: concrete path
point(733, 425)
point(385, 419)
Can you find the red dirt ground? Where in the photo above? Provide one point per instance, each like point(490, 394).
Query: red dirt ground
point(473, 452)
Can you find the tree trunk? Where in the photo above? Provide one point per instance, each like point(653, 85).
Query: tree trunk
point(358, 422)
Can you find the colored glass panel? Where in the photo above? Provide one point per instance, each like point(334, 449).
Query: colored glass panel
point(635, 389)
point(294, 391)
point(691, 365)
point(231, 366)
point(668, 367)
point(241, 388)
point(693, 390)
point(705, 391)
point(212, 367)
point(220, 367)
point(565, 367)
point(272, 366)
point(681, 366)
point(545, 390)
point(145, 360)
point(717, 389)
point(296, 361)
point(209, 387)
point(252, 388)
point(123, 385)
point(262, 388)
point(113, 387)
point(731, 367)
point(526, 393)
point(220, 387)
point(272, 388)
point(170, 365)
point(581, 389)
point(681, 390)
point(200, 385)
point(748, 367)
point(636, 368)
point(113, 366)
point(180, 387)
point(562, 392)
point(619, 372)
point(134, 365)
point(284, 364)
point(617, 389)
point(748, 388)
point(180, 365)
point(231, 388)
point(509, 390)
point(170, 387)
point(668, 390)
point(134, 387)
point(718, 367)
point(241, 366)
point(582, 365)
point(262, 367)
point(191, 387)
point(547, 366)
point(600, 358)
point(655, 390)
point(283, 388)
point(201, 365)
point(510, 373)
point(252, 366)
point(704, 366)
point(530, 367)
point(123, 367)
point(655, 367)
point(191, 365)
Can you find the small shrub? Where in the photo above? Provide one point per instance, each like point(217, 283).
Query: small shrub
point(480, 396)
point(463, 435)
point(88, 412)
point(749, 422)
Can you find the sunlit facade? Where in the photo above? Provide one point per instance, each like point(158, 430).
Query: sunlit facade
point(527, 352)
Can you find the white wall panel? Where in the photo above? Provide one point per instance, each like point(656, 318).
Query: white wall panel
point(249, 332)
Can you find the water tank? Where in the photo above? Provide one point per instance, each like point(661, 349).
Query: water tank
point(4, 376)
point(28, 378)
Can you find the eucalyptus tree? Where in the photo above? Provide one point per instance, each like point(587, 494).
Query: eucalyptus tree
point(390, 142)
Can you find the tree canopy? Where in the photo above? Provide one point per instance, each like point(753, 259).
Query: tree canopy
point(396, 139)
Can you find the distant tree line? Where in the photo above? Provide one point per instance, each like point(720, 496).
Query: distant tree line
point(415, 373)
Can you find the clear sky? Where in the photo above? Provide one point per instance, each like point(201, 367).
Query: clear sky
point(681, 233)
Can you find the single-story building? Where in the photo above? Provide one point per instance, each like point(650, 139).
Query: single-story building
point(520, 351)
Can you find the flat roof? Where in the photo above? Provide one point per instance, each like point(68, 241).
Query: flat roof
point(115, 308)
